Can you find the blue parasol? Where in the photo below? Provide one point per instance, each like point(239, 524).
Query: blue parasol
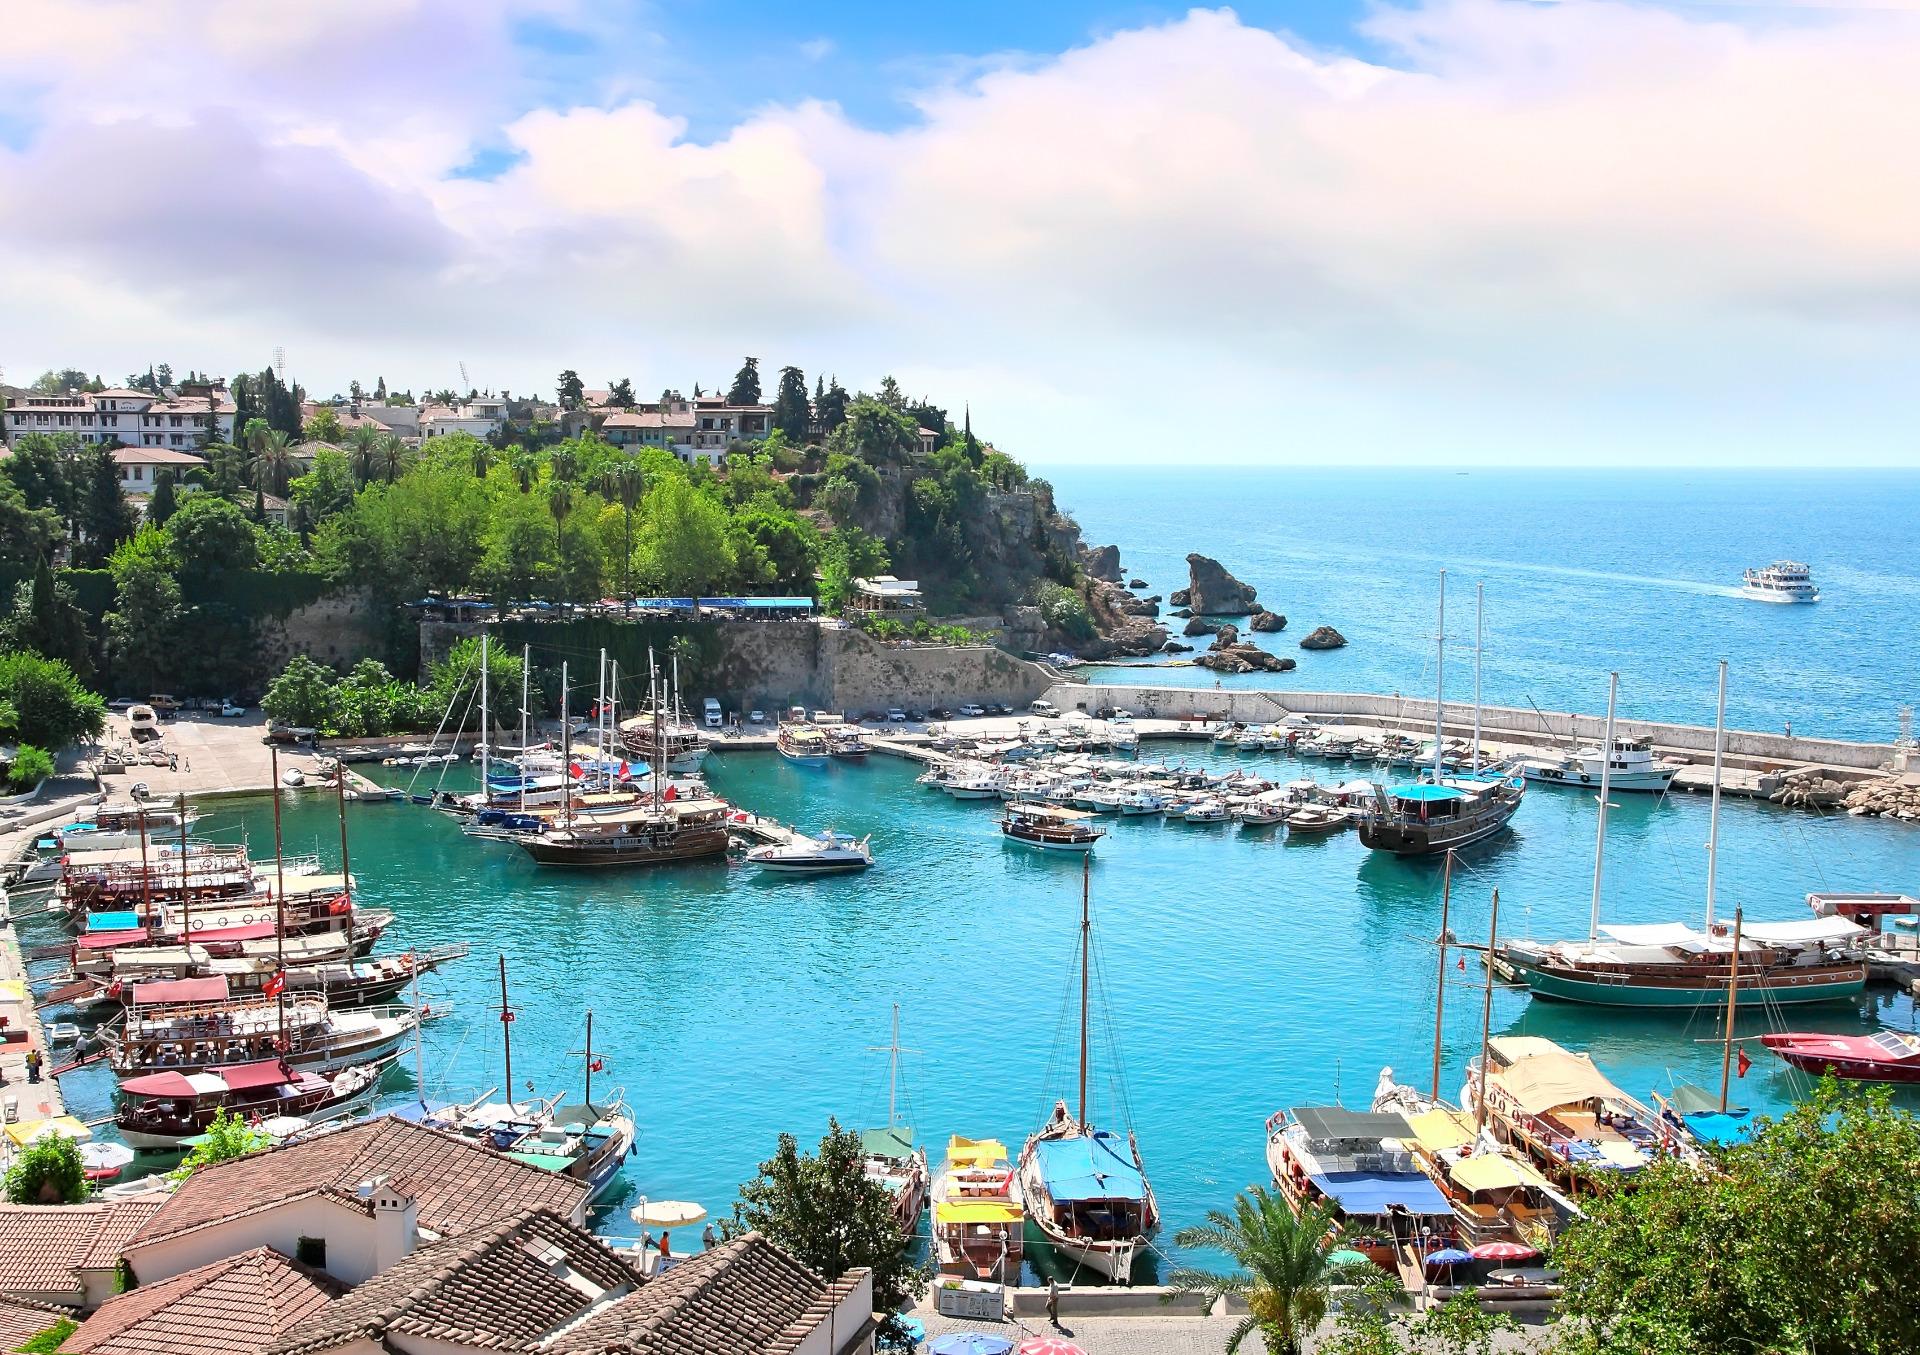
point(1448, 1256)
point(969, 1343)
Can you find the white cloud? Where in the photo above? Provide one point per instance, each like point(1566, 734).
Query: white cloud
point(1593, 226)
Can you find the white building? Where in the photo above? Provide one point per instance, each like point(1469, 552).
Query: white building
point(129, 417)
point(481, 417)
point(139, 466)
point(700, 429)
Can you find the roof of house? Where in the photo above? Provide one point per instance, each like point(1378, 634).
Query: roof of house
point(634, 418)
point(22, 1319)
point(744, 1297)
point(458, 1186)
point(503, 1288)
point(238, 1305)
point(150, 456)
point(42, 1246)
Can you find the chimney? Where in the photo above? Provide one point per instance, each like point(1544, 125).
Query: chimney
point(396, 1220)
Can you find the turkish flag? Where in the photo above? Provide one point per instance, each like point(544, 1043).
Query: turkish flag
point(1745, 1062)
point(598, 1064)
point(574, 769)
point(275, 984)
point(1461, 963)
point(623, 770)
point(671, 794)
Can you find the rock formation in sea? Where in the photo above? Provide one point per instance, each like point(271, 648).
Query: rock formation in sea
point(1199, 625)
point(1326, 637)
point(1226, 637)
point(1212, 591)
point(1267, 621)
point(1179, 597)
point(1244, 659)
point(1124, 623)
point(1103, 563)
point(1176, 647)
point(1136, 583)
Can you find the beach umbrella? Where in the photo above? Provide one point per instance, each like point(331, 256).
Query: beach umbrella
point(969, 1343)
point(1347, 1256)
point(1448, 1256)
point(106, 1159)
point(1047, 1345)
point(1504, 1251)
point(668, 1213)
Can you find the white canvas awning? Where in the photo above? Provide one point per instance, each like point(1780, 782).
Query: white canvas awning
point(1805, 931)
point(1656, 934)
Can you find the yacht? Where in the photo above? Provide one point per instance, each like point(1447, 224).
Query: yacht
point(1426, 817)
point(829, 854)
point(1781, 581)
point(1634, 767)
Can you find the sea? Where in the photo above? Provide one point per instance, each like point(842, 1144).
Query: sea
point(1237, 972)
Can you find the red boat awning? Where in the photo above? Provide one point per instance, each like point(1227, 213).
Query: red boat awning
point(237, 1077)
point(180, 990)
point(159, 1084)
point(242, 1076)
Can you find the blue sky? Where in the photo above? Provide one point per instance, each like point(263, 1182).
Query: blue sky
point(1454, 232)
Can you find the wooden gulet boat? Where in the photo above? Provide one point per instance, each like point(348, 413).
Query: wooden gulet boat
point(1050, 827)
point(979, 1221)
point(890, 1155)
point(1086, 1188)
point(160, 1110)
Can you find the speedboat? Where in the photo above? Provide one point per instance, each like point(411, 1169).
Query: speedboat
point(1314, 819)
point(1886, 1056)
point(1259, 813)
point(1781, 581)
point(829, 854)
point(1206, 811)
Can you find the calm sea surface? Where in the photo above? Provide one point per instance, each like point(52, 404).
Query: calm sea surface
point(1584, 572)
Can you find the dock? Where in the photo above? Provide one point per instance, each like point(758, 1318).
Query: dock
point(22, 1101)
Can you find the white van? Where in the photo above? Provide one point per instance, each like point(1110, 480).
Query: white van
point(1043, 708)
point(710, 708)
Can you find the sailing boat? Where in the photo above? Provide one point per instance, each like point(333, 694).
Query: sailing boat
point(1086, 1188)
point(1673, 965)
point(889, 1155)
point(1439, 812)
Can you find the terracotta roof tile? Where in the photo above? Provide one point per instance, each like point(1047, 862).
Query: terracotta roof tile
point(236, 1306)
point(43, 1246)
point(461, 1186)
point(504, 1288)
point(744, 1297)
point(21, 1320)
point(152, 456)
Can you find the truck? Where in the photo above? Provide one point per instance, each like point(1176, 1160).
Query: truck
point(710, 710)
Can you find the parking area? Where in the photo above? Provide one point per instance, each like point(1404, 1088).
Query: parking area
point(198, 753)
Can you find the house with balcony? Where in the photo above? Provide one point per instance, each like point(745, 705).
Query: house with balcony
point(483, 417)
point(181, 419)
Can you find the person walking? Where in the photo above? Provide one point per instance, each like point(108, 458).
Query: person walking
point(33, 1065)
point(1053, 1303)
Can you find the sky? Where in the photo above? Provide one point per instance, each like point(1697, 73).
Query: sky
point(1461, 232)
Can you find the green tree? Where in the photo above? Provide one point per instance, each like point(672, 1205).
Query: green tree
point(425, 532)
point(525, 467)
point(683, 545)
point(47, 620)
point(26, 533)
point(142, 627)
point(1285, 1274)
point(879, 434)
point(102, 514)
point(47, 1171)
point(626, 481)
point(364, 453)
point(302, 695)
point(393, 454)
point(746, 383)
point(326, 490)
point(227, 1137)
point(1803, 1240)
point(559, 503)
point(60, 382)
point(848, 554)
point(830, 406)
point(324, 426)
point(51, 706)
point(209, 537)
point(455, 680)
point(790, 413)
point(30, 766)
point(890, 395)
point(824, 1209)
point(481, 456)
point(164, 500)
point(50, 1339)
point(41, 468)
point(273, 462)
point(620, 393)
point(573, 391)
point(789, 543)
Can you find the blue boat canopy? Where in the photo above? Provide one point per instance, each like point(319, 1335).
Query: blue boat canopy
point(1366, 1194)
point(113, 922)
point(1427, 793)
point(1097, 1168)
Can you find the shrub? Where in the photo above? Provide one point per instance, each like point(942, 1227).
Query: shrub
point(30, 767)
point(50, 1340)
point(47, 1171)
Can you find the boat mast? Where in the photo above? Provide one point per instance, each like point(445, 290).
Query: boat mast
point(1733, 998)
point(486, 725)
point(340, 805)
point(566, 792)
point(600, 717)
point(526, 669)
point(1713, 816)
point(419, 1055)
point(1086, 937)
point(1486, 1020)
point(1479, 635)
point(893, 1066)
point(589, 1091)
point(1440, 988)
point(1606, 783)
point(280, 904)
point(186, 892)
point(146, 881)
point(613, 720)
point(506, 1029)
point(1440, 682)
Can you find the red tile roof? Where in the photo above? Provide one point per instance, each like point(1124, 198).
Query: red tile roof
point(43, 1247)
point(21, 1320)
point(236, 1306)
point(152, 456)
point(459, 1186)
point(503, 1288)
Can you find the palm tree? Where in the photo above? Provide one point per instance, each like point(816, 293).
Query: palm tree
point(565, 462)
point(483, 458)
point(560, 503)
point(525, 466)
point(1285, 1273)
point(363, 444)
point(625, 480)
point(272, 462)
point(393, 454)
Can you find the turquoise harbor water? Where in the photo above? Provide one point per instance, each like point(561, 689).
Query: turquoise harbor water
point(1240, 971)
point(1584, 572)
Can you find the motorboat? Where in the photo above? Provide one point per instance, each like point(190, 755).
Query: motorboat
point(829, 854)
point(1358, 1165)
point(803, 743)
point(1781, 581)
point(1206, 811)
point(1313, 820)
point(1259, 813)
point(1885, 1056)
point(847, 745)
point(978, 1217)
point(162, 1109)
point(1050, 827)
point(1633, 767)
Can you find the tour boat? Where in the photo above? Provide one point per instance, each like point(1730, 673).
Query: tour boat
point(1358, 1164)
point(671, 830)
point(828, 854)
point(891, 1157)
point(345, 981)
point(847, 745)
point(111, 826)
point(979, 1222)
point(1781, 581)
point(1085, 1188)
point(302, 1029)
point(1050, 827)
point(1632, 767)
point(1206, 811)
point(160, 1110)
point(803, 743)
point(1886, 1056)
point(1426, 817)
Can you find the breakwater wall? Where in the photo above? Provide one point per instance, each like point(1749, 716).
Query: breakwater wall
point(1508, 724)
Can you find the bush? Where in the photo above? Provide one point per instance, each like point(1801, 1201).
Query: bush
point(1064, 610)
point(30, 767)
point(303, 695)
point(227, 1137)
point(47, 1171)
point(48, 1341)
point(51, 708)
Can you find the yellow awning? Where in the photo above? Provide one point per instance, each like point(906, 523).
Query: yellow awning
point(965, 1152)
point(26, 1131)
point(1494, 1171)
point(1438, 1131)
point(13, 990)
point(977, 1211)
point(1556, 1077)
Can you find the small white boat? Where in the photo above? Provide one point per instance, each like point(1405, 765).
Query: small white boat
point(1139, 801)
point(1316, 819)
point(1259, 813)
point(1634, 767)
point(293, 778)
point(829, 854)
point(1206, 811)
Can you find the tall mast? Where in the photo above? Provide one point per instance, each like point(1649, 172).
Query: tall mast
point(1086, 938)
point(419, 1053)
point(1713, 817)
point(613, 719)
point(1440, 681)
point(279, 902)
point(340, 806)
point(600, 716)
point(506, 1028)
point(486, 725)
point(526, 669)
point(1486, 1019)
point(1479, 635)
point(1606, 783)
point(566, 779)
point(1440, 988)
point(589, 1092)
point(186, 891)
point(893, 1067)
point(1733, 999)
point(146, 881)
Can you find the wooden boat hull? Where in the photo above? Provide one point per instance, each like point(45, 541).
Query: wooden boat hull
point(630, 852)
point(1430, 839)
point(1701, 988)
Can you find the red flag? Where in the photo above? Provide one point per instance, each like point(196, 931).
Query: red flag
point(574, 769)
point(1745, 1062)
point(506, 1018)
point(1461, 963)
point(275, 983)
point(670, 795)
point(598, 1064)
point(623, 769)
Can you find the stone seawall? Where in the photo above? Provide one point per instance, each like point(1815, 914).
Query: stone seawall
point(1512, 725)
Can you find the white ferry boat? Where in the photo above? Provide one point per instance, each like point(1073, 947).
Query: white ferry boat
point(1634, 768)
point(1781, 581)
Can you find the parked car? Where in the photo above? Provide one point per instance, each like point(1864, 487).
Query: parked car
point(1124, 717)
point(232, 709)
point(164, 705)
point(120, 703)
point(972, 710)
point(941, 713)
point(1002, 709)
point(896, 716)
point(1043, 708)
point(756, 717)
point(917, 716)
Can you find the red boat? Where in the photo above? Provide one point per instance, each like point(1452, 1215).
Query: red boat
point(1888, 1056)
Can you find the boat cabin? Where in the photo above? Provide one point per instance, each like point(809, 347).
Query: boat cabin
point(1097, 1192)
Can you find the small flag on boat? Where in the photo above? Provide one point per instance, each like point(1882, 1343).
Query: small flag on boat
point(1460, 963)
point(506, 1017)
point(623, 769)
point(574, 769)
point(275, 984)
point(598, 1065)
point(1745, 1062)
point(671, 794)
